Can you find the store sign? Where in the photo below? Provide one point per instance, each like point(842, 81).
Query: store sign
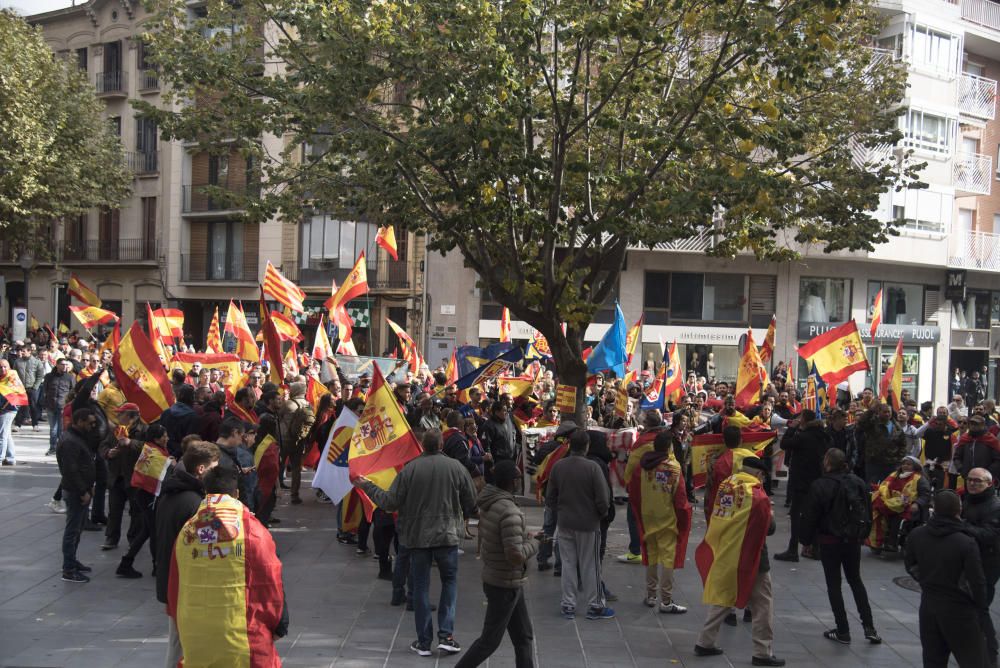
point(954, 286)
point(912, 334)
point(970, 339)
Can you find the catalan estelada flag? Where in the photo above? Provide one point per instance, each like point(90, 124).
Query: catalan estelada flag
point(386, 238)
point(236, 324)
point(729, 556)
point(151, 468)
point(213, 340)
point(92, 316)
point(632, 339)
point(332, 474)
point(661, 509)
point(282, 289)
point(767, 348)
point(748, 375)
point(12, 389)
point(76, 288)
point(891, 385)
point(382, 438)
point(837, 353)
point(140, 375)
point(876, 314)
point(225, 593)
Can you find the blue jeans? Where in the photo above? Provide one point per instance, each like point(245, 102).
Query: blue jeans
point(6, 437)
point(76, 513)
point(402, 579)
point(55, 427)
point(446, 559)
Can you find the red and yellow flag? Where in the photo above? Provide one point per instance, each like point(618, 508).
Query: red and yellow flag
point(621, 394)
point(673, 378)
point(227, 363)
point(282, 289)
point(267, 461)
point(151, 468)
point(321, 346)
point(566, 399)
point(706, 447)
point(382, 439)
point(451, 371)
point(140, 375)
point(355, 285)
point(340, 318)
point(314, 392)
point(876, 314)
point(729, 556)
point(92, 316)
point(169, 324)
point(767, 348)
point(891, 384)
point(749, 375)
point(386, 238)
point(505, 325)
point(236, 324)
point(272, 345)
point(12, 389)
point(111, 340)
point(837, 353)
point(213, 340)
point(411, 354)
point(544, 469)
point(285, 327)
point(76, 288)
point(661, 509)
point(632, 339)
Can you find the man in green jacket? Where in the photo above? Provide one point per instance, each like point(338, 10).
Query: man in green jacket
point(505, 548)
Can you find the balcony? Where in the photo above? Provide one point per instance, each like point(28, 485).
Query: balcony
point(391, 275)
point(977, 97)
point(143, 163)
point(108, 250)
point(149, 81)
point(221, 266)
point(974, 250)
point(973, 173)
point(111, 84)
point(195, 198)
point(981, 12)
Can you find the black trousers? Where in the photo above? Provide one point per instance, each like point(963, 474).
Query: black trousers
point(986, 620)
point(847, 557)
point(100, 490)
point(120, 496)
point(798, 501)
point(145, 501)
point(505, 611)
point(383, 536)
point(949, 628)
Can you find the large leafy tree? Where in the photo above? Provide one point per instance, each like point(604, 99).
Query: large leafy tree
point(542, 139)
point(58, 157)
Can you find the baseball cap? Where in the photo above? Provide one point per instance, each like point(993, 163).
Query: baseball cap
point(127, 408)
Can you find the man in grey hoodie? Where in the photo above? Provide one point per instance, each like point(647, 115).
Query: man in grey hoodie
point(505, 549)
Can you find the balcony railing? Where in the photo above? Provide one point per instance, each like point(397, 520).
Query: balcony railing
point(982, 12)
point(974, 250)
point(196, 199)
point(977, 96)
point(149, 80)
point(392, 275)
point(219, 266)
point(143, 162)
point(111, 83)
point(973, 172)
point(108, 250)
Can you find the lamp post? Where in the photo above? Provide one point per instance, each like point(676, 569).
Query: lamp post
point(27, 263)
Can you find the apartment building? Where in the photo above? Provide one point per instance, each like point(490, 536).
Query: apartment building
point(940, 277)
point(172, 243)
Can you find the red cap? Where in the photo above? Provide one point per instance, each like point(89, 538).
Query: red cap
point(127, 407)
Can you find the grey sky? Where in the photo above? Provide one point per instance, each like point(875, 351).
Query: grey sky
point(26, 7)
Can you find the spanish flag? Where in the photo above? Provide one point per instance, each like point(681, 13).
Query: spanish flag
point(876, 314)
point(706, 447)
point(111, 340)
point(266, 461)
point(225, 594)
point(236, 324)
point(355, 285)
point(285, 327)
point(272, 344)
point(340, 318)
point(213, 340)
point(632, 339)
point(282, 289)
point(621, 394)
point(140, 375)
point(505, 325)
point(661, 509)
point(411, 354)
point(673, 379)
point(33, 323)
point(350, 512)
point(169, 324)
point(315, 391)
point(227, 363)
point(12, 389)
point(382, 439)
point(321, 346)
point(748, 375)
point(451, 371)
point(386, 238)
point(729, 556)
point(545, 468)
point(76, 288)
point(837, 353)
point(151, 468)
point(891, 385)
point(91, 316)
point(767, 348)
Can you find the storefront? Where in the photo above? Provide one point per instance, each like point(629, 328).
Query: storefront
point(712, 352)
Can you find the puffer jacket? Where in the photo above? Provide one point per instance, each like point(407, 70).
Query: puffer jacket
point(505, 546)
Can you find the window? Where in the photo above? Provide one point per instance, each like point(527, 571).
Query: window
point(724, 298)
point(902, 303)
point(824, 299)
point(656, 298)
point(686, 296)
point(321, 239)
point(925, 209)
point(218, 170)
point(81, 59)
point(325, 239)
point(148, 228)
point(892, 43)
point(110, 226)
point(225, 250)
point(143, 62)
point(935, 50)
point(975, 312)
point(927, 131)
point(116, 125)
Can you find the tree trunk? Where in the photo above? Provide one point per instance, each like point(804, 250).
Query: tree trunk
point(570, 368)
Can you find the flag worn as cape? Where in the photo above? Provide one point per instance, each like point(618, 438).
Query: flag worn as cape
point(332, 474)
point(13, 390)
point(140, 375)
point(151, 468)
point(661, 509)
point(729, 556)
point(610, 354)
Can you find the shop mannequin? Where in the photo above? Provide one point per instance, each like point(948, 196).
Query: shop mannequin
point(710, 366)
point(695, 362)
point(813, 309)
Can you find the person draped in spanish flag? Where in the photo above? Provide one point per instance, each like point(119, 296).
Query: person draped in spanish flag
point(225, 591)
point(662, 511)
point(733, 562)
point(727, 463)
point(904, 495)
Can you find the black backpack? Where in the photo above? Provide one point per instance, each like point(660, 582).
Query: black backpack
point(850, 514)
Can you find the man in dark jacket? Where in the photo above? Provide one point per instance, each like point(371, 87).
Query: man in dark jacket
point(56, 386)
point(498, 435)
point(456, 445)
point(937, 434)
point(505, 549)
point(179, 499)
point(808, 442)
point(981, 512)
point(76, 466)
point(121, 454)
point(180, 419)
point(978, 449)
point(884, 444)
point(211, 417)
point(946, 563)
point(838, 552)
point(843, 437)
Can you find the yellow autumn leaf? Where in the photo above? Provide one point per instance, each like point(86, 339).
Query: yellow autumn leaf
point(484, 144)
point(769, 110)
point(746, 145)
point(467, 118)
point(827, 42)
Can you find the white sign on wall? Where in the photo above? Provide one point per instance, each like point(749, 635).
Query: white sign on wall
point(20, 324)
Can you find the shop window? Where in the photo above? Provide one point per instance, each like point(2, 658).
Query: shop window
point(995, 309)
point(686, 296)
point(902, 303)
point(824, 299)
point(976, 312)
point(710, 361)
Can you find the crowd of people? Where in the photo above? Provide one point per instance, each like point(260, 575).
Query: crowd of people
point(204, 478)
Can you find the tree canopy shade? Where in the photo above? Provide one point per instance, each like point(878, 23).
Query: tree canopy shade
point(544, 138)
point(57, 156)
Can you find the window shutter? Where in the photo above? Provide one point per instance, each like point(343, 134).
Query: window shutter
point(932, 302)
point(763, 295)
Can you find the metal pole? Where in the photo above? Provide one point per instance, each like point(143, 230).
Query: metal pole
point(423, 299)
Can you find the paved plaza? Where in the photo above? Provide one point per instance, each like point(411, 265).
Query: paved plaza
point(340, 614)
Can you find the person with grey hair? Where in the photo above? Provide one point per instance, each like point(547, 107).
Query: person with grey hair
point(295, 421)
point(981, 512)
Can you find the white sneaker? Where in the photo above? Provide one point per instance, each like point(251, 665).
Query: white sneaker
point(56, 506)
point(461, 552)
point(35, 427)
point(672, 609)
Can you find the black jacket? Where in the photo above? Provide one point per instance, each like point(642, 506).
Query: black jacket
point(76, 462)
point(499, 439)
point(180, 496)
point(946, 563)
point(808, 446)
point(814, 522)
point(456, 446)
point(981, 513)
point(55, 388)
